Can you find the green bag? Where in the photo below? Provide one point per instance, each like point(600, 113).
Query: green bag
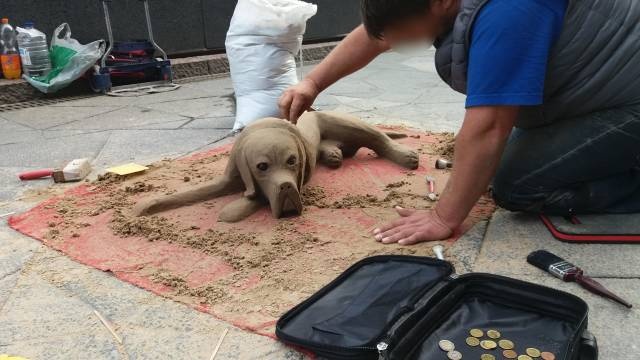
point(69, 60)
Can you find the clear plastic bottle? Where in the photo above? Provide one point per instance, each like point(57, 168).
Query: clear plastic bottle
point(8, 51)
point(34, 51)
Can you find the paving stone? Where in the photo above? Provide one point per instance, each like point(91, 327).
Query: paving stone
point(99, 100)
point(150, 145)
point(400, 81)
point(325, 101)
point(224, 122)
point(151, 327)
point(10, 126)
point(47, 153)
point(46, 310)
point(424, 64)
point(45, 117)
point(464, 251)
point(216, 87)
point(512, 236)
point(16, 137)
point(125, 118)
point(64, 346)
point(440, 94)
point(354, 88)
point(14, 252)
point(183, 93)
point(614, 326)
point(197, 108)
point(375, 104)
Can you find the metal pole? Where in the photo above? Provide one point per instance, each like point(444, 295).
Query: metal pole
point(107, 20)
point(150, 30)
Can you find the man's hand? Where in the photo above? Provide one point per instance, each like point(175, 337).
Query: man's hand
point(297, 99)
point(353, 53)
point(413, 227)
point(479, 146)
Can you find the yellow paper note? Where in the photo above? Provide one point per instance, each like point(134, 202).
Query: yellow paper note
point(127, 169)
point(7, 357)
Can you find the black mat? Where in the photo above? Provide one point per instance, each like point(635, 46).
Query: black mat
point(600, 228)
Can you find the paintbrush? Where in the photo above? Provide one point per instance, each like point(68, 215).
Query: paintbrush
point(568, 272)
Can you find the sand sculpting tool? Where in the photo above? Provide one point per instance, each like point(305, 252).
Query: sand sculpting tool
point(443, 164)
point(76, 170)
point(568, 272)
point(439, 251)
point(431, 182)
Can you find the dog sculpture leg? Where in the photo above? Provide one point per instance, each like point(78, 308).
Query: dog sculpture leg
point(240, 209)
point(224, 185)
point(354, 133)
point(330, 153)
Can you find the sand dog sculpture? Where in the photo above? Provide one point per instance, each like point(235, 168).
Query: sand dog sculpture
point(272, 159)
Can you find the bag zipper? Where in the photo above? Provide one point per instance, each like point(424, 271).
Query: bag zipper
point(383, 347)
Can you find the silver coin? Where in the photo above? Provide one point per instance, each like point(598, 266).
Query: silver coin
point(454, 355)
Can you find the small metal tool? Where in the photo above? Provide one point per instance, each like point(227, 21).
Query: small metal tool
point(443, 164)
point(431, 182)
point(439, 251)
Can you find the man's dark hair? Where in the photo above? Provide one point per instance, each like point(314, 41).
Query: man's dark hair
point(377, 15)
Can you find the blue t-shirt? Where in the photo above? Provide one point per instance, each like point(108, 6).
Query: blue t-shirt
point(510, 45)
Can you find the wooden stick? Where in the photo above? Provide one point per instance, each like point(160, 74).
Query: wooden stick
point(215, 351)
point(7, 214)
point(108, 326)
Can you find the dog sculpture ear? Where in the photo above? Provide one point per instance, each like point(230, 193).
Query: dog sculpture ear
point(307, 160)
point(242, 164)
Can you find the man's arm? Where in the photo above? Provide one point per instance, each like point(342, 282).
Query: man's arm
point(353, 53)
point(478, 149)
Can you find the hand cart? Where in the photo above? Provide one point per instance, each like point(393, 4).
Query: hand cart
point(132, 65)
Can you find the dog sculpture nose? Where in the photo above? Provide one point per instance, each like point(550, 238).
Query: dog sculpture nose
point(286, 186)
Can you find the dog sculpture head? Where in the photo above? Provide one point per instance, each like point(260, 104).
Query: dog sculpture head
point(274, 161)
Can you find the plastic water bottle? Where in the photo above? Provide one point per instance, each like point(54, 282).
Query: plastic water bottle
point(34, 51)
point(8, 51)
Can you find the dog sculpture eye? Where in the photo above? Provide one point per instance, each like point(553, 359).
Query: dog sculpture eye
point(263, 166)
point(291, 160)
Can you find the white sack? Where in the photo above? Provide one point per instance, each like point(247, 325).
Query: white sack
point(262, 40)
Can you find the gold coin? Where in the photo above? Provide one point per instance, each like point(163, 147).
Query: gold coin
point(510, 354)
point(533, 352)
point(446, 345)
point(476, 333)
point(506, 344)
point(494, 334)
point(545, 355)
point(471, 341)
point(524, 357)
point(488, 344)
point(487, 357)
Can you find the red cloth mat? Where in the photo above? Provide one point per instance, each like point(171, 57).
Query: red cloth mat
point(250, 272)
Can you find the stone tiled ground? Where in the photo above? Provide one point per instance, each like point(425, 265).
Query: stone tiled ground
point(47, 300)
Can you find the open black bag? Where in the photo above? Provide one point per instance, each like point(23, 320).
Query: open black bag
point(400, 307)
